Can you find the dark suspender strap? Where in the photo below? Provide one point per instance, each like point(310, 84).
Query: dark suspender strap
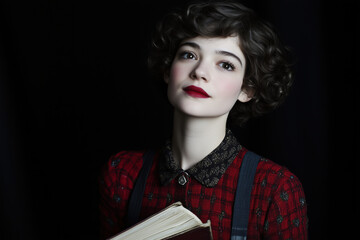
point(137, 194)
point(242, 196)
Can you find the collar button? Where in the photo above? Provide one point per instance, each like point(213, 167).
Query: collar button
point(183, 179)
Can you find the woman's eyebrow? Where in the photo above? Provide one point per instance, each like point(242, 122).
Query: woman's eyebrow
point(191, 44)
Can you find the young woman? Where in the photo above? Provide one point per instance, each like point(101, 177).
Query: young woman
point(220, 63)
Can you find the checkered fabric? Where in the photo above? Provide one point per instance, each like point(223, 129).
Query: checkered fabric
point(277, 208)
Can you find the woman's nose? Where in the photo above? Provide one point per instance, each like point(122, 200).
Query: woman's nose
point(200, 72)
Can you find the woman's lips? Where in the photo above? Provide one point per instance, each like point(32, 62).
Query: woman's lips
point(196, 92)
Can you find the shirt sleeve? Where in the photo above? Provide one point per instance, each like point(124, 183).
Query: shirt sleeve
point(287, 215)
point(108, 208)
point(115, 184)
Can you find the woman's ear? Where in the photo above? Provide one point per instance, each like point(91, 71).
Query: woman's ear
point(245, 95)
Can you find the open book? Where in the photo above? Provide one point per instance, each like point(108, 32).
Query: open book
point(174, 222)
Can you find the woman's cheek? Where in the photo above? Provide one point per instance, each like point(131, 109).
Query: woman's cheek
point(230, 87)
point(176, 72)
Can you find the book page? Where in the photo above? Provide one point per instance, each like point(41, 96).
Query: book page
point(173, 219)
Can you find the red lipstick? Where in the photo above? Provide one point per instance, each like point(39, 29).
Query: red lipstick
point(196, 92)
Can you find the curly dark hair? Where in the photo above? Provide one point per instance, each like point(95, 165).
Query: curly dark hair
point(268, 75)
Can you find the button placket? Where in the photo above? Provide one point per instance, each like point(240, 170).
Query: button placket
point(183, 190)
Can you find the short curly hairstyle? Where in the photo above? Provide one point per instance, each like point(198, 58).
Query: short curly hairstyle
point(268, 74)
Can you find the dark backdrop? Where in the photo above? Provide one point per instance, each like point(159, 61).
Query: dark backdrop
point(74, 89)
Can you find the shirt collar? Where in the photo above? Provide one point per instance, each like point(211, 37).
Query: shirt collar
point(209, 170)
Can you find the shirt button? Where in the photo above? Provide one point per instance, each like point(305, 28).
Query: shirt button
point(183, 179)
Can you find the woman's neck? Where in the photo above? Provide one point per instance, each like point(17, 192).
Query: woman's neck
point(194, 138)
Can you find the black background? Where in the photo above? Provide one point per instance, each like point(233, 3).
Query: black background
point(74, 89)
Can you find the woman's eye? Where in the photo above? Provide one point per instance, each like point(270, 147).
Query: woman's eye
point(187, 55)
point(227, 66)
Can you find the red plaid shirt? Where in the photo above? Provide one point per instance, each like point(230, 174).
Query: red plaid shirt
point(277, 208)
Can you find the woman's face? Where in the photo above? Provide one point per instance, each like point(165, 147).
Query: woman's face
point(206, 76)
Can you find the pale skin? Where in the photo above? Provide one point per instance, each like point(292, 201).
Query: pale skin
point(217, 65)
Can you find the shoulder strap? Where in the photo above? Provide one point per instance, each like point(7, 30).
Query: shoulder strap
point(136, 196)
point(243, 195)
